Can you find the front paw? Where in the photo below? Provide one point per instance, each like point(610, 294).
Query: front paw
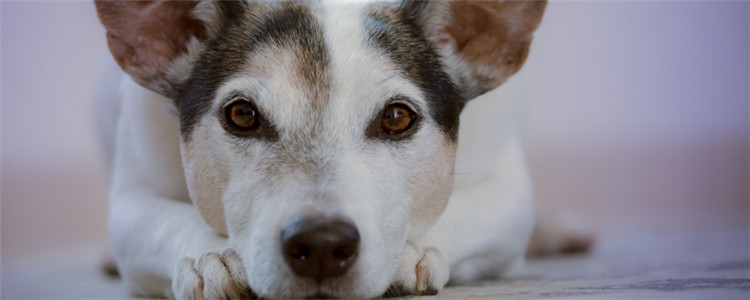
point(212, 276)
point(422, 272)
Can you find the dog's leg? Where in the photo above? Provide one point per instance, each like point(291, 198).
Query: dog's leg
point(491, 221)
point(106, 113)
point(161, 243)
point(559, 232)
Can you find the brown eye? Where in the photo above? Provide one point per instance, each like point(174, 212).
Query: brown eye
point(242, 115)
point(397, 118)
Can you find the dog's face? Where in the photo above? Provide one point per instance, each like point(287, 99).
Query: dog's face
point(319, 121)
point(294, 115)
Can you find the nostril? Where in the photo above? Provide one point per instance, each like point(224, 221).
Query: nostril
point(343, 252)
point(297, 252)
point(316, 248)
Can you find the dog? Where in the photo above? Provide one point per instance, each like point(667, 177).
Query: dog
point(309, 149)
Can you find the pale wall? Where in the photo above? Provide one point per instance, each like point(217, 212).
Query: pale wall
point(637, 114)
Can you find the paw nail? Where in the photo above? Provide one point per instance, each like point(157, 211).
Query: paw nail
point(423, 277)
point(198, 293)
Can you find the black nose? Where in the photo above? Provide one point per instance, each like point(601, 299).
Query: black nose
point(320, 248)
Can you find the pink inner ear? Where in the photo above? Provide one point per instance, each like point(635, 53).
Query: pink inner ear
point(145, 36)
point(492, 37)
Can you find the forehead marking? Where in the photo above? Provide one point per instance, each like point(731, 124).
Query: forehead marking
point(249, 29)
point(295, 29)
point(392, 31)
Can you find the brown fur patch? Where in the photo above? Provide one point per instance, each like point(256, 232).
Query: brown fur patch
point(146, 36)
point(493, 37)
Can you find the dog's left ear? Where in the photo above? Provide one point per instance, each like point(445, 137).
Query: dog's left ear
point(482, 42)
point(156, 42)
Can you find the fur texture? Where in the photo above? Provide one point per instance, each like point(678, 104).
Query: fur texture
point(197, 209)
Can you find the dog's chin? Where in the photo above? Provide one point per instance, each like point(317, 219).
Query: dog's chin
point(344, 287)
point(321, 296)
point(333, 291)
point(271, 278)
point(338, 288)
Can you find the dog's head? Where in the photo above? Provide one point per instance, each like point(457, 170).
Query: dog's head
point(319, 137)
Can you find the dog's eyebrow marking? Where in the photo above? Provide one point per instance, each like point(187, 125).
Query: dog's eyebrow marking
point(250, 29)
point(294, 28)
point(394, 34)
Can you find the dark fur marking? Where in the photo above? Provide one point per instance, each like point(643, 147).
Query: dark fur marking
point(398, 34)
point(296, 29)
point(244, 33)
point(224, 56)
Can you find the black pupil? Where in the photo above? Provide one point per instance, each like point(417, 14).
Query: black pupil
point(394, 114)
point(243, 115)
point(396, 119)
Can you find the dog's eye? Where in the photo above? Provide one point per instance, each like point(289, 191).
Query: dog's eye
point(397, 118)
point(241, 114)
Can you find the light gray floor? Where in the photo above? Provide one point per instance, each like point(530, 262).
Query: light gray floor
point(705, 264)
point(677, 265)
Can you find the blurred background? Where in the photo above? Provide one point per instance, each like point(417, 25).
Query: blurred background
point(636, 117)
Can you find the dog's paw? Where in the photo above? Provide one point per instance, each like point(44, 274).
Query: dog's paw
point(212, 276)
point(422, 272)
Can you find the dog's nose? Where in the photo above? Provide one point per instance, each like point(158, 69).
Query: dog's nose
point(320, 248)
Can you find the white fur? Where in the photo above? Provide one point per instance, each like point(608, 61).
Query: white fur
point(323, 165)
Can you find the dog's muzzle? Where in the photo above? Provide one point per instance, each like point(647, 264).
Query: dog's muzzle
point(320, 248)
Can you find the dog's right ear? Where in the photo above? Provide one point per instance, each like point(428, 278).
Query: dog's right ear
point(157, 42)
point(482, 42)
